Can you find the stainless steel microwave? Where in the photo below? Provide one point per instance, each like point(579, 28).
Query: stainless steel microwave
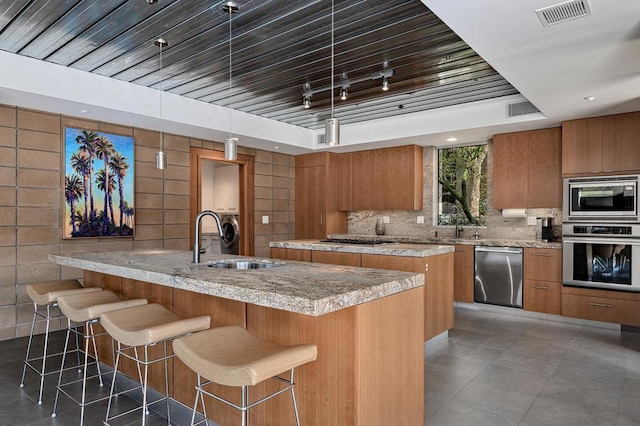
point(601, 199)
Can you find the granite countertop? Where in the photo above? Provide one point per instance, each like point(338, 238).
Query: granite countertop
point(495, 242)
point(390, 249)
point(300, 287)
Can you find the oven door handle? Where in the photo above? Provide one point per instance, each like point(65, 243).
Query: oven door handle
point(595, 240)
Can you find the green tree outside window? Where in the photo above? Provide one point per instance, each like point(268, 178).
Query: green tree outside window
point(462, 179)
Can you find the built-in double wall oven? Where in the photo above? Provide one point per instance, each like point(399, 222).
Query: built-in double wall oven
point(601, 255)
point(601, 232)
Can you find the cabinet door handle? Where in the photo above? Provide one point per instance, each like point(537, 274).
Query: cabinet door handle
point(321, 218)
point(601, 305)
point(542, 254)
point(541, 287)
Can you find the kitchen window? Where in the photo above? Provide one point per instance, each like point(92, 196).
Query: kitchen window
point(462, 185)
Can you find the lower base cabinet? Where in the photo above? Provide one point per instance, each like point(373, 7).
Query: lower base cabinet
point(464, 273)
point(601, 305)
point(543, 296)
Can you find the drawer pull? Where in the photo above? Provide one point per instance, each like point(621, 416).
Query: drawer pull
point(541, 254)
point(541, 287)
point(601, 305)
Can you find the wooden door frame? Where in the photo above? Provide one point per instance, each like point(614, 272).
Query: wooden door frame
point(246, 170)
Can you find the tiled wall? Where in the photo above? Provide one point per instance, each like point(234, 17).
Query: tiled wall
point(31, 202)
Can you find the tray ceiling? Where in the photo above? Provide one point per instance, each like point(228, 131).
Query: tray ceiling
point(277, 47)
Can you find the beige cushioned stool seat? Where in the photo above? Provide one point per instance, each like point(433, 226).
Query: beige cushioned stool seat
point(48, 292)
point(151, 323)
point(232, 356)
point(89, 306)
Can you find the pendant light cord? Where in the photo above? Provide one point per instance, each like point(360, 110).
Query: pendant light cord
point(161, 107)
point(332, 50)
point(230, 71)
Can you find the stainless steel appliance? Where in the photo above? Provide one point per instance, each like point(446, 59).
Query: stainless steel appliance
point(601, 199)
point(601, 255)
point(230, 235)
point(498, 276)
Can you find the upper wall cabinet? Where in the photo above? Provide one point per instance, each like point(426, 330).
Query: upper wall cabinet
point(527, 169)
point(605, 145)
point(381, 179)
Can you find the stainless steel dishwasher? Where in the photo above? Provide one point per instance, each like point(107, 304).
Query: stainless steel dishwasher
point(498, 276)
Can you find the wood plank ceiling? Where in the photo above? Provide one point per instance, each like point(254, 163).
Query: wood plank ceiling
point(278, 46)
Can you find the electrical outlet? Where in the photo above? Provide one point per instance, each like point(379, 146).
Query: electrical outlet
point(531, 220)
point(385, 219)
point(265, 220)
point(420, 219)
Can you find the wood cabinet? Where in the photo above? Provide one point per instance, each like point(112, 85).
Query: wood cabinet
point(543, 280)
point(463, 274)
point(362, 185)
point(438, 285)
point(381, 179)
point(335, 258)
point(620, 136)
point(527, 170)
point(317, 196)
point(607, 145)
point(601, 305)
point(290, 254)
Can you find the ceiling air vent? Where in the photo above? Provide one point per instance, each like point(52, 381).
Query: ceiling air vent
point(563, 12)
point(521, 108)
point(321, 139)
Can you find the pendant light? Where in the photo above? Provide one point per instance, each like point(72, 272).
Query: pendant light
point(332, 125)
point(161, 156)
point(230, 144)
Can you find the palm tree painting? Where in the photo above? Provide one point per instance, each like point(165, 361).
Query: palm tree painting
point(99, 176)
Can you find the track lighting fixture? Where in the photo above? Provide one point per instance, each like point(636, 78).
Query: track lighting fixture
point(345, 84)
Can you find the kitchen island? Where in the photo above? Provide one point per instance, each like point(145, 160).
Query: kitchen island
point(367, 324)
point(435, 261)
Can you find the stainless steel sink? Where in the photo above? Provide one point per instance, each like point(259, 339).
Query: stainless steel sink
point(245, 264)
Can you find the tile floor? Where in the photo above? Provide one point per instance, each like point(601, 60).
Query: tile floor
point(18, 405)
point(494, 369)
point(499, 369)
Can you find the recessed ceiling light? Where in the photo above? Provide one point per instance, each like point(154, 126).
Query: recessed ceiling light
point(589, 98)
point(84, 111)
point(452, 139)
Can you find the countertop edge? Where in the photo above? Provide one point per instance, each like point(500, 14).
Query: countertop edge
point(395, 249)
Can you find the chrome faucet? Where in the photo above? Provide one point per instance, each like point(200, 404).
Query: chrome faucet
point(456, 217)
point(196, 244)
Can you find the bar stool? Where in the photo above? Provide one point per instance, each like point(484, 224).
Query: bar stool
point(46, 294)
point(231, 356)
point(146, 326)
point(85, 310)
